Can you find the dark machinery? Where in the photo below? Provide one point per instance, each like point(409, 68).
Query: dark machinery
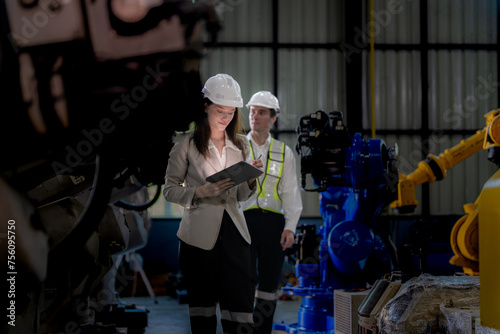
point(356, 179)
point(95, 89)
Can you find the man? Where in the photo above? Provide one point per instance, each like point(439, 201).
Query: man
point(272, 214)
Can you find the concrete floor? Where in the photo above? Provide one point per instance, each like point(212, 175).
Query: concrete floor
point(167, 316)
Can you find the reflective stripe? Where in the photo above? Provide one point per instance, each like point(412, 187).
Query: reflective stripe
point(266, 295)
point(268, 197)
point(202, 311)
point(240, 317)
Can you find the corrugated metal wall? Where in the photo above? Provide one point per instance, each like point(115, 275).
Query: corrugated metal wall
point(398, 96)
point(466, 21)
point(309, 80)
point(318, 21)
point(246, 21)
point(460, 87)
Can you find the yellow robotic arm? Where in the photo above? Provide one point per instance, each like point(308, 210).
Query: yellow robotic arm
point(470, 243)
point(464, 236)
point(434, 168)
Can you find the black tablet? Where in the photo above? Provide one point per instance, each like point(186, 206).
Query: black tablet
point(239, 172)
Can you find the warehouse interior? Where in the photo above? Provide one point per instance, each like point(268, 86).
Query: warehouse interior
point(400, 237)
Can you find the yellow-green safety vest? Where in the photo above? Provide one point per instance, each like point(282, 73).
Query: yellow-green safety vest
point(268, 197)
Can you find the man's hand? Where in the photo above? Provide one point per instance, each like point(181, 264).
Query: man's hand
point(213, 189)
point(256, 163)
point(287, 239)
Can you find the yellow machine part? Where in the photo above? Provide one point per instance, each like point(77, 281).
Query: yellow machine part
point(406, 193)
point(434, 167)
point(489, 252)
point(464, 240)
point(428, 170)
point(492, 137)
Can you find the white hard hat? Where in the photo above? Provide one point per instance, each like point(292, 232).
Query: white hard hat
point(265, 99)
point(224, 90)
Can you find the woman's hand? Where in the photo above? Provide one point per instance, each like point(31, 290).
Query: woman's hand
point(213, 189)
point(260, 165)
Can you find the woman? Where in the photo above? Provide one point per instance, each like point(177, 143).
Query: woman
point(214, 251)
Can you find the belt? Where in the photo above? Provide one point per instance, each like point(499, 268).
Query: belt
point(266, 212)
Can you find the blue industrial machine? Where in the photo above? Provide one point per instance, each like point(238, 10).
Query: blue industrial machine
point(356, 179)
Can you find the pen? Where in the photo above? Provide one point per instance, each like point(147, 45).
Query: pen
point(259, 157)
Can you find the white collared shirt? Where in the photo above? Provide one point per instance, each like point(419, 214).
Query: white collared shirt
point(215, 152)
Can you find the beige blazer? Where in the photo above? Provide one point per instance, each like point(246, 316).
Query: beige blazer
point(202, 218)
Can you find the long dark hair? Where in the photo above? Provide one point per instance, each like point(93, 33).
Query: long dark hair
point(202, 131)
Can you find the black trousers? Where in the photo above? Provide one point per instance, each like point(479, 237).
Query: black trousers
point(267, 262)
point(221, 276)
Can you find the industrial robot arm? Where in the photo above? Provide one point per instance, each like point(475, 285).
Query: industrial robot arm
point(434, 168)
point(464, 235)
